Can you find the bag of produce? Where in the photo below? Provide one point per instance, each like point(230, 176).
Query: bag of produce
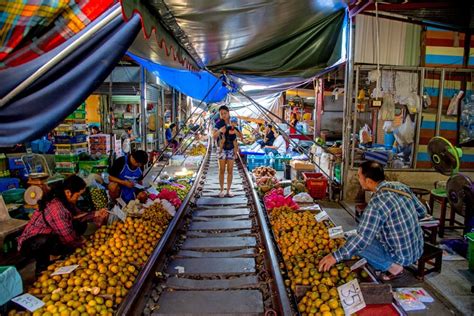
point(98, 195)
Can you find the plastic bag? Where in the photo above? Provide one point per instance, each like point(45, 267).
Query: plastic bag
point(387, 111)
point(405, 133)
point(388, 126)
point(126, 146)
point(414, 103)
point(303, 198)
point(365, 134)
point(453, 104)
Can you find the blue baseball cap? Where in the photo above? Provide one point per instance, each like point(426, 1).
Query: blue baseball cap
point(233, 120)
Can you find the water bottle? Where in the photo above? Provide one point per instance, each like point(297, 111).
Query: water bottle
point(105, 176)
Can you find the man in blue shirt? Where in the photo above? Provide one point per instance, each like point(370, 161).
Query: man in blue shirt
point(389, 236)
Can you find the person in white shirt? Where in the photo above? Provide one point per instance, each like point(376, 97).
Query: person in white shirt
point(279, 145)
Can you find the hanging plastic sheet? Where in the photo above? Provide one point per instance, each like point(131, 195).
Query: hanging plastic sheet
point(41, 106)
point(195, 84)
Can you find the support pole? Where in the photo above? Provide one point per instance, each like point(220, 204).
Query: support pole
point(419, 117)
point(346, 132)
point(143, 104)
point(440, 102)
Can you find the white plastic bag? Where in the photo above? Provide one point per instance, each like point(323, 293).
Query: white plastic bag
point(126, 146)
point(303, 198)
point(453, 104)
point(387, 111)
point(405, 133)
point(388, 126)
point(365, 135)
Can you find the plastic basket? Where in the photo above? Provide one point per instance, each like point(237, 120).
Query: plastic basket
point(66, 158)
point(316, 183)
point(65, 170)
point(470, 250)
point(11, 282)
point(88, 166)
point(279, 162)
point(78, 114)
point(257, 161)
point(13, 196)
point(80, 138)
point(8, 183)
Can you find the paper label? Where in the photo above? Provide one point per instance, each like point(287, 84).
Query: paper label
point(314, 207)
point(351, 297)
point(121, 202)
point(321, 216)
point(179, 269)
point(65, 269)
point(358, 264)
point(336, 232)
point(153, 190)
point(287, 191)
point(351, 232)
point(119, 213)
point(29, 302)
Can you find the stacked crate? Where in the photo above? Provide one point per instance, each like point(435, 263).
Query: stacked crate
point(70, 141)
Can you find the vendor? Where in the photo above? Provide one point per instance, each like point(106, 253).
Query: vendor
point(170, 141)
point(389, 235)
point(56, 227)
point(279, 145)
point(125, 173)
point(293, 122)
point(269, 137)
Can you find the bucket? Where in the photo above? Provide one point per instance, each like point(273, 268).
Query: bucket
point(389, 139)
point(470, 250)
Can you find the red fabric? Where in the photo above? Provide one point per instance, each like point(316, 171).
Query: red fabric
point(59, 222)
point(378, 309)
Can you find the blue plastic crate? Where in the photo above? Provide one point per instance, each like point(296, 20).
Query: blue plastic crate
point(15, 163)
point(9, 183)
point(257, 161)
point(279, 162)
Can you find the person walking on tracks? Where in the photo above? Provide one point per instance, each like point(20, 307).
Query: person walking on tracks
point(226, 133)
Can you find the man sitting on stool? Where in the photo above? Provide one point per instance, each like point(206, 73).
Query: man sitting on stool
point(389, 235)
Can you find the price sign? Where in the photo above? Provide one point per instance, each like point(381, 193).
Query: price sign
point(29, 302)
point(65, 269)
point(358, 264)
point(287, 191)
point(153, 190)
point(314, 207)
point(121, 202)
point(336, 232)
point(321, 216)
point(351, 297)
point(117, 211)
point(351, 232)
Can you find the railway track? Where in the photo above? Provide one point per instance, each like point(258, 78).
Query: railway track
point(217, 256)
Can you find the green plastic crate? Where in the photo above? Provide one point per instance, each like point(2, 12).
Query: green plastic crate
point(279, 162)
point(81, 107)
point(66, 158)
point(87, 166)
point(78, 114)
point(470, 250)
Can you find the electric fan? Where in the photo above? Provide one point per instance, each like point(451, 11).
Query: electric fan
point(459, 187)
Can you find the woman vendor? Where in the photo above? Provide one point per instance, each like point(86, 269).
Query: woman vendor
point(125, 173)
point(56, 228)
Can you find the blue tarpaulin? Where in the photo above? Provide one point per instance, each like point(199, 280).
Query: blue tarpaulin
point(195, 84)
point(44, 104)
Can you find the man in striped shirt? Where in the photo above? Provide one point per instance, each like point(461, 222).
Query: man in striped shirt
point(389, 236)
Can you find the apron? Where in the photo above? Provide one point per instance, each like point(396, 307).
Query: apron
point(128, 194)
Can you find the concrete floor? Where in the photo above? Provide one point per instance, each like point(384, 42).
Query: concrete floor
point(451, 287)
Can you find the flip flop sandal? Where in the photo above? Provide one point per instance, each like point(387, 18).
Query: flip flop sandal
point(387, 276)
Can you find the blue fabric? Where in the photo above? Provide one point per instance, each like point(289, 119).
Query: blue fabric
point(128, 194)
point(40, 107)
point(377, 256)
point(193, 84)
point(271, 150)
point(168, 134)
